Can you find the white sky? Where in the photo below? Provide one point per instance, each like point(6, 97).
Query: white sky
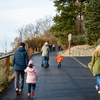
point(14, 14)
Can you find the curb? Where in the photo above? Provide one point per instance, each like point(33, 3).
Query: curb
point(77, 55)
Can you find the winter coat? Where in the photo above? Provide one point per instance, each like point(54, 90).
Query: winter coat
point(45, 51)
point(32, 75)
point(20, 59)
point(59, 59)
point(95, 63)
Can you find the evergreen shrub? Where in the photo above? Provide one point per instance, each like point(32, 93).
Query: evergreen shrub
point(78, 40)
point(98, 42)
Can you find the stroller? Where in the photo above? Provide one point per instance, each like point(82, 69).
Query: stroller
point(47, 64)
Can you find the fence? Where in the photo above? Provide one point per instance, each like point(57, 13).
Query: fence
point(5, 61)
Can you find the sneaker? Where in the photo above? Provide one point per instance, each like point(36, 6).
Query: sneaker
point(28, 94)
point(44, 66)
point(97, 88)
point(99, 91)
point(20, 91)
point(17, 92)
point(32, 93)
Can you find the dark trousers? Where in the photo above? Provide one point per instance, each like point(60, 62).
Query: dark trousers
point(19, 79)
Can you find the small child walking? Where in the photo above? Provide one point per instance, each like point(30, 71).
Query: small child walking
point(32, 77)
point(59, 60)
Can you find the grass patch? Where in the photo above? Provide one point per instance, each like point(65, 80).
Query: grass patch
point(3, 79)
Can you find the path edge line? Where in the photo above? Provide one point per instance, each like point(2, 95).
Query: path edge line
point(80, 62)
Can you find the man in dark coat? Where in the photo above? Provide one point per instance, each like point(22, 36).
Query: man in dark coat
point(20, 62)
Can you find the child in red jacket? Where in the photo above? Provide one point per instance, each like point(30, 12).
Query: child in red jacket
point(59, 60)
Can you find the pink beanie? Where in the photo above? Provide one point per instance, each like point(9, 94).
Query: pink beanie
point(30, 62)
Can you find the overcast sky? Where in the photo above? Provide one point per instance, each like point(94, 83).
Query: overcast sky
point(14, 14)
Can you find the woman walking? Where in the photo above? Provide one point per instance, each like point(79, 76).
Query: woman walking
point(95, 66)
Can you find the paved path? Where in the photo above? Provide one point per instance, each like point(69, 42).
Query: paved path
point(72, 82)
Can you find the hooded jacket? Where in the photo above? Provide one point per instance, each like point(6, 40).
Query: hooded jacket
point(32, 75)
point(95, 63)
point(45, 51)
point(59, 59)
point(20, 59)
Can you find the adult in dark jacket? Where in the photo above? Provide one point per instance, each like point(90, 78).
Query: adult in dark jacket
point(20, 62)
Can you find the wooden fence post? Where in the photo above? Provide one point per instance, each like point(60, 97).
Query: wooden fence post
point(69, 39)
point(38, 50)
point(7, 65)
point(34, 50)
point(30, 52)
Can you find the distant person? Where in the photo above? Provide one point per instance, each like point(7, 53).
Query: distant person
point(32, 77)
point(20, 62)
point(59, 47)
point(95, 66)
point(50, 47)
point(53, 47)
point(59, 60)
point(45, 54)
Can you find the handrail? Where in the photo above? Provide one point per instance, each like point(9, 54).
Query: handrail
point(2, 57)
point(29, 51)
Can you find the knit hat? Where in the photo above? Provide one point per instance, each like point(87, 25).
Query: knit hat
point(59, 53)
point(30, 62)
point(99, 46)
point(46, 43)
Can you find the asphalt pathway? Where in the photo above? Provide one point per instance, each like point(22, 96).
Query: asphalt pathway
point(72, 81)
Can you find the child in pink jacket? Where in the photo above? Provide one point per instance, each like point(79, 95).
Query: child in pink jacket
point(32, 77)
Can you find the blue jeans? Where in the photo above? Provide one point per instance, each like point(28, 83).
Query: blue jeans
point(29, 87)
point(19, 79)
point(59, 64)
point(98, 81)
point(45, 61)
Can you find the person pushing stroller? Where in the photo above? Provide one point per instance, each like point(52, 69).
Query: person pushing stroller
point(45, 54)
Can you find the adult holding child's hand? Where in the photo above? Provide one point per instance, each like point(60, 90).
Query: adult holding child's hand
point(20, 62)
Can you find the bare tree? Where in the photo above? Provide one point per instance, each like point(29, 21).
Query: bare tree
point(41, 27)
point(4, 44)
point(15, 43)
point(44, 25)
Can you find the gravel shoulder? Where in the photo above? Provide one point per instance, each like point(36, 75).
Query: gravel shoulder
point(79, 50)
